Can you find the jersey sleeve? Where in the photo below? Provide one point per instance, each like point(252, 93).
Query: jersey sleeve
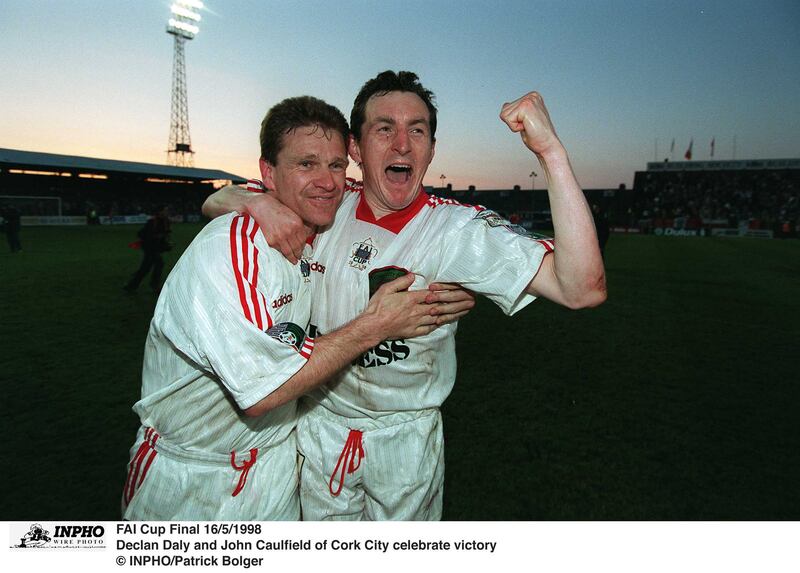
point(490, 256)
point(215, 311)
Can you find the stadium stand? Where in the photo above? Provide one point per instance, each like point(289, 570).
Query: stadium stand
point(523, 206)
point(759, 198)
point(749, 197)
point(116, 190)
point(531, 208)
point(746, 197)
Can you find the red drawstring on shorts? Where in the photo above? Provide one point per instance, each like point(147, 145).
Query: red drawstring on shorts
point(244, 468)
point(144, 455)
point(346, 460)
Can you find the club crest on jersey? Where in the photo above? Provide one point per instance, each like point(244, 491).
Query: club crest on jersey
point(305, 270)
point(362, 253)
point(288, 333)
point(493, 219)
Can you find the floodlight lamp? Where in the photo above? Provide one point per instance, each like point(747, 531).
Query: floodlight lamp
point(182, 12)
point(182, 28)
point(196, 4)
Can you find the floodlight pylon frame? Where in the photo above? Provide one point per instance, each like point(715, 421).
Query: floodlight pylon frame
point(179, 151)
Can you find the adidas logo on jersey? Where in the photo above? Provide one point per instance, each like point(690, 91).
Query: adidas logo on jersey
point(282, 300)
point(307, 268)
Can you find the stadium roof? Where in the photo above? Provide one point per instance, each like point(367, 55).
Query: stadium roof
point(17, 159)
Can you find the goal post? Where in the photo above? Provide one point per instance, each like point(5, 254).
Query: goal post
point(34, 205)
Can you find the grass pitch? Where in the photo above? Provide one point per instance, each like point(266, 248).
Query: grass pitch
point(677, 399)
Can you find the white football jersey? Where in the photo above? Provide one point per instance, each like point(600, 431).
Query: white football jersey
point(230, 326)
point(439, 241)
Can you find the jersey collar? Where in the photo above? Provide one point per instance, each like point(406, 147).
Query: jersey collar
point(395, 221)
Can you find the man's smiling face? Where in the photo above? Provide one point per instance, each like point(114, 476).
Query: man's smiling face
point(309, 174)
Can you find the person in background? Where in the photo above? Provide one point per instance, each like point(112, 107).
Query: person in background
point(601, 224)
point(153, 240)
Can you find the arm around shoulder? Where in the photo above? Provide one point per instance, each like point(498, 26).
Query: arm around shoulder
point(281, 226)
point(228, 199)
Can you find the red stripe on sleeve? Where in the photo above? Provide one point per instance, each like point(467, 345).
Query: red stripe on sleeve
point(548, 245)
point(256, 186)
point(259, 303)
point(307, 348)
point(244, 249)
point(235, 264)
point(147, 467)
point(253, 302)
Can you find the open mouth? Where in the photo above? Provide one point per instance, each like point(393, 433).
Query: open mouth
point(398, 173)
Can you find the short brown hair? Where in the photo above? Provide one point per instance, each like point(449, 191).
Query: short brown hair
point(294, 112)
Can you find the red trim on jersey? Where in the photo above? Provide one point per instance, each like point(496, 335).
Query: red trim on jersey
point(240, 242)
point(307, 348)
point(548, 244)
point(147, 465)
point(353, 186)
point(351, 447)
point(244, 468)
point(434, 201)
point(395, 221)
point(255, 186)
point(136, 474)
point(258, 299)
point(245, 252)
point(236, 272)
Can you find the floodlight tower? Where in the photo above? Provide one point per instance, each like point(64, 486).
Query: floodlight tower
point(183, 26)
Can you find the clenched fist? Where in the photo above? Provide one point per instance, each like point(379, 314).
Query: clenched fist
point(528, 116)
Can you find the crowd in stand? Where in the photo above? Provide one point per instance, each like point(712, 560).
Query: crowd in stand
point(755, 199)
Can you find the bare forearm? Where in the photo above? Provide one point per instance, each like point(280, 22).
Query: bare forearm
point(577, 265)
point(332, 352)
point(391, 313)
point(226, 200)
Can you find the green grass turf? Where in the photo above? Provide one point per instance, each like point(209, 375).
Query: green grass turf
point(677, 399)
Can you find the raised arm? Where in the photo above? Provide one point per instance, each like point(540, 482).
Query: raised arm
point(282, 228)
point(573, 275)
point(392, 312)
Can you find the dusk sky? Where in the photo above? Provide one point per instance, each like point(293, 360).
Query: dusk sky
point(94, 77)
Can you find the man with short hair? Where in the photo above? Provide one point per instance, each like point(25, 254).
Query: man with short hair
point(230, 347)
point(372, 438)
